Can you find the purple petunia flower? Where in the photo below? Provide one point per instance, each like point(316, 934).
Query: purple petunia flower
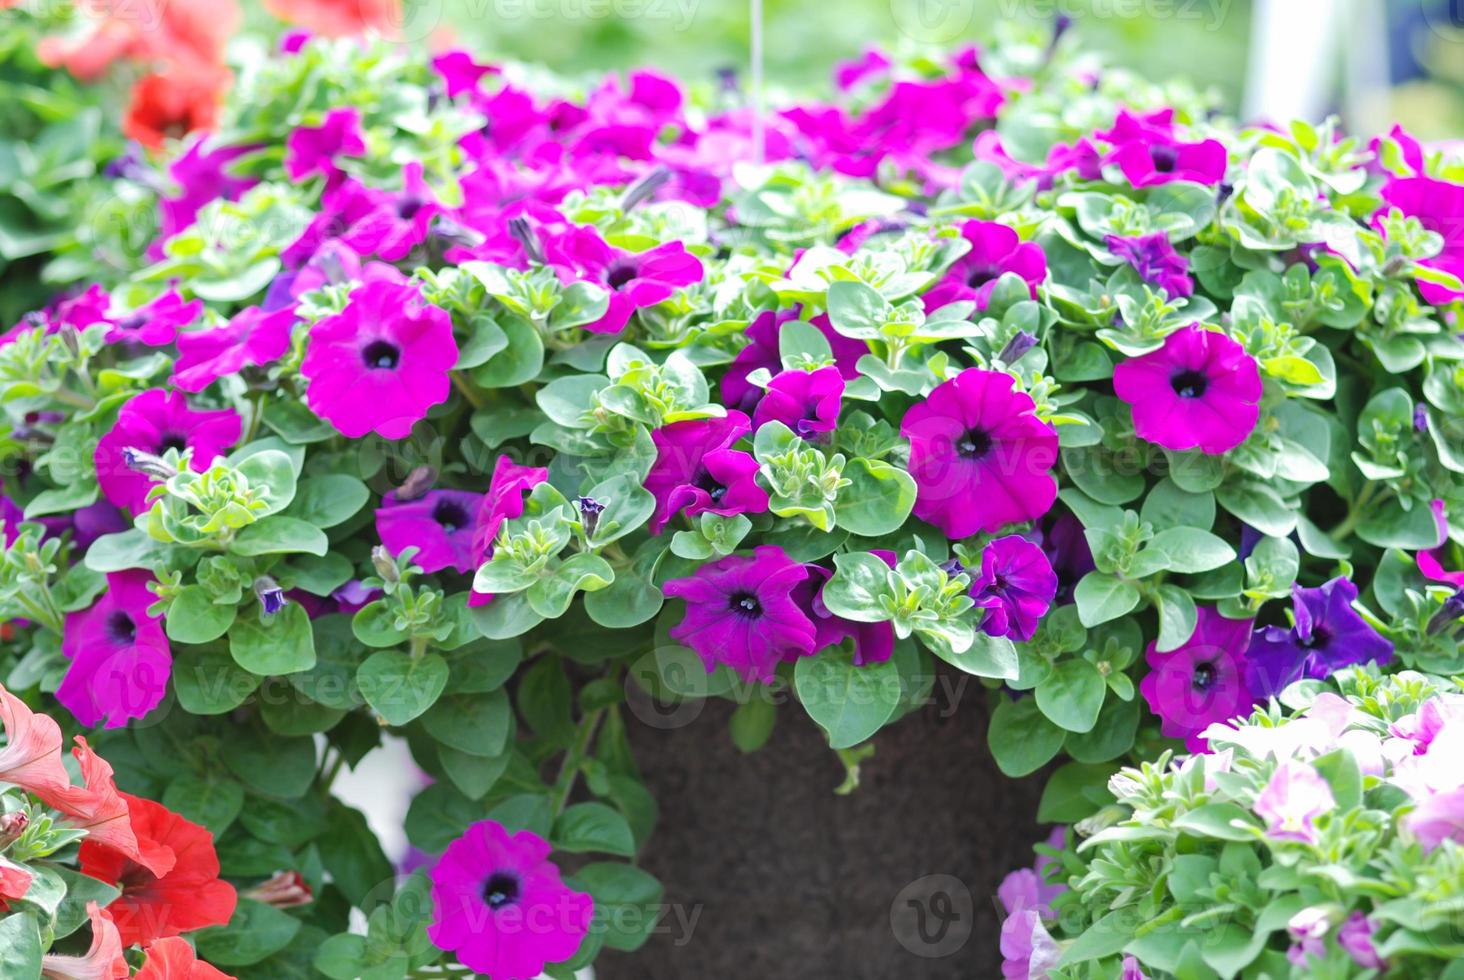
point(740, 611)
point(382, 362)
point(119, 657)
point(459, 72)
point(1201, 390)
point(1156, 261)
point(762, 353)
point(440, 523)
point(155, 421)
point(349, 599)
point(1355, 937)
point(996, 249)
point(1328, 635)
point(1027, 948)
point(807, 402)
point(1149, 153)
point(370, 221)
point(1201, 682)
point(504, 501)
point(1066, 546)
point(1439, 206)
point(1016, 586)
point(202, 176)
point(696, 470)
point(91, 522)
point(635, 280)
point(251, 339)
point(312, 150)
point(1295, 795)
point(873, 642)
point(980, 456)
point(155, 323)
point(499, 904)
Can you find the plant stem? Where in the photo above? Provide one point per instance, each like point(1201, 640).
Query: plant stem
point(569, 769)
point(466, 390)
point(1354, 514)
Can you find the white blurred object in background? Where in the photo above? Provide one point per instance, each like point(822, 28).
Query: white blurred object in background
point(1313, 57)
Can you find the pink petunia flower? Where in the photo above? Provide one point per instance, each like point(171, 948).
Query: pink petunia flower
point(155, 421)
point(120, 660)
point(1201, 390)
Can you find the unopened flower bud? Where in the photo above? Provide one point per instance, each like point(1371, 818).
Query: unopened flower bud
point(416, 485)
point(284, 890)
point(271, 596)
point(644, 189)
point(12, 825)
point(385, 565)
point(1447, 616)
point(1016, 347)
point(590, 511)
point(523, 234)
point(148, 464)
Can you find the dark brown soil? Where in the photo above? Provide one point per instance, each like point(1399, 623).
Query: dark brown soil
point(784, 880)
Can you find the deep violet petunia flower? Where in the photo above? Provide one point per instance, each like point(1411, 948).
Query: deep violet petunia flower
point(1156, 261)
point(382, 362)
point(740, 611)
point(1015, 585)
point(980, 456)
point(499, 904)
point(1147, 151)
point(1328, 634)
point(635, 280)
point(762, 353)
point(696, 470)
point(119, 654)
point(1201, 682)
point(873, 642)
point(252, 338)
point(504, 501)
point(807, 402)
point(1439, 206)
point(155, 421)
point(1201, 390)
point(190, 896)
point(440, 523)
point(996, 249)
point(311, 150)
point(1063, 541)
point(1294, 796)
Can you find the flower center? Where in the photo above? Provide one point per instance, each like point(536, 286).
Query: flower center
point(450, 515)
point(500, 889)
point(172, 441)
point(619, 274)
point(1320, 637)
point(705, 481)
point(381, 354)
point(408, 207)
point(1205, 677)
point(131, 323)
point(1189, 384)
point(745, 604)
point(981, 275)
point(1165, 158)
point(974, 444)
point(121, 628)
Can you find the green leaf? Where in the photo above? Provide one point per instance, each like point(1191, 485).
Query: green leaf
point(860, 581)
point(987, 656)
point(80, 889)
point(353, 856)
point(282, 644)
point(210, 800)
point(519, 362)
point(1169, 505)
point(1257, 505)
point(193, 616)
point(280, 535)
point(1218, 820)
point(546, 701)
point(849, 702)
point(1193, 550)
point(593, 828)
point(1177, 618)
point(877, 501)
point(1074, 792)
point(256, 931)
point(400, 687)
point(1071, 695)
point(1022, 740)
point(20, 947)
point(208, 682)
point(272, 765)
point(752, 723)
point(477, 724)
point(627, 902)
point(1102, 597)
point(325, 501)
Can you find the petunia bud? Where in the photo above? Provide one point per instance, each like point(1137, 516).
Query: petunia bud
point(590, 511)
point(416, 485)
point(1447, 616)
point(284, 890)
point(644, 189)
point(1016, 347)
point(148, 464)
point(524, 234)
point(271, 596)
point(12, 825)
point(385, 566)
point(1420, 418)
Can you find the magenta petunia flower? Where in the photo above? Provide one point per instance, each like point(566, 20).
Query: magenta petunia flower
point(807, 402)
point(1201, 682)
point(762, 353)
point(1081, 158)
point(440, 523)
point(155, 323)
point(369, 221)
point(1328, 634)
point(1201, 390)
point(635, 280)
point(311, 150)
point(1147, 151)
point(252, 338)
point(980, 456)
point(504, 501)
point(696, 470)
point(155, 421)
point(996, 249)
point(119, 657)
point(740, 611)
point(873, 642)
point(459, 72)
point(499, 904)
point(202, 176)
point(1156, 261)
point(1292, 799)
point(1438, 818)
point(1016, 586)
point(382, 362)
point(1439, 206)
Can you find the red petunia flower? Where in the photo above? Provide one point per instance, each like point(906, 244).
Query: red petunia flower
point(101, 810)
point(174, 959)
point(172, 104)
point(31, 758)
point(188, 896)
point(339, 18)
